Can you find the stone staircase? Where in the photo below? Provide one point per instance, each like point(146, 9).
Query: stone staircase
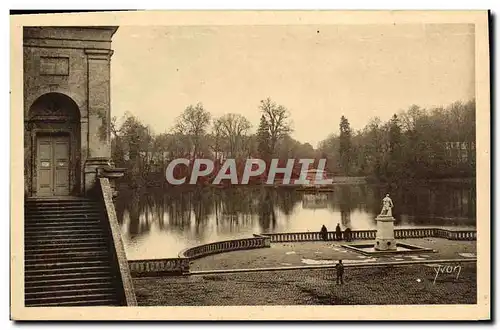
point(67, 255)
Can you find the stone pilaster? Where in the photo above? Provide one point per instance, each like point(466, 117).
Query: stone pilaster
point(99, 113)
point(98, 61)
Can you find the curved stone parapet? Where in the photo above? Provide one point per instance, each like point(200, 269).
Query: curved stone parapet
point(225, 246)
point(180, 265)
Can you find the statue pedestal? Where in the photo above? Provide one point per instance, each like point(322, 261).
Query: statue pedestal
point(385, 233)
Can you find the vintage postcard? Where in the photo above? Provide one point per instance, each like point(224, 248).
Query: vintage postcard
point(250, 165)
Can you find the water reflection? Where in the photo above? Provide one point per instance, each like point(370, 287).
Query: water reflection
point(157, 223)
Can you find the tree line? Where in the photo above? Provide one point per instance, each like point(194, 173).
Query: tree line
point(416, 143)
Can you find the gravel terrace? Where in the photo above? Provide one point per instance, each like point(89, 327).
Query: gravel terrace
point(318, 253)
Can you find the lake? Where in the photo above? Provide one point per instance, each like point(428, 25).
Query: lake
point(159, 223)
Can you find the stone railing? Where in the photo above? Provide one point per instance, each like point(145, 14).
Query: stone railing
point(415, 233)
point(119, 258)
point(226, 246)
point(456, 235)
point(362, 234)
point(180, 265)
point(316, 236)
point(157, 267)
point(371, 234)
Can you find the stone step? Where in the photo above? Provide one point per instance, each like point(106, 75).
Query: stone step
point(47, 282)
point(61, 200)
point(71, 297)
point(62, 213)
point(67, 248)
point(55, 235)
point(32, 251)
point(77, 274)
point(71, 292)
point(65, 218)
point(31, 261)
point(87, 302)
point(95, 284)
point(58, 223)
point(65, 255)
point(55, 208)
point(38, 247)
point(31, 273)
point(30, 241)
point(61, 231)
point(42, 210)
point(61, 259)
point(62, 204)
point(62, 265)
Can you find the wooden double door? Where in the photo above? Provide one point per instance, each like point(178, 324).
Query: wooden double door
point(53, 165)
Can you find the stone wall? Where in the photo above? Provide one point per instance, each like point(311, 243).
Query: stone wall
point(75, 62)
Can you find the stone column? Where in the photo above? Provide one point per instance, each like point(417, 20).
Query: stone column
point(99, 114)
point(385, 233)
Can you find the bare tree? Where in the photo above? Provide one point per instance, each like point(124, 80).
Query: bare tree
point(216, 138)
point(278, 119)
point(193, 123)
point(233, 128)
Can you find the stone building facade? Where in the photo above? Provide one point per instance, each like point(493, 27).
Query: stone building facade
point(66, 108)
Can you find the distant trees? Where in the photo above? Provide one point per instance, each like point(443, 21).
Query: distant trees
point(195, 134)
point(289, 148)
point(416, 143)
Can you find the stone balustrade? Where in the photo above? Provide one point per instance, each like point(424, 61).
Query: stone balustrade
point(225, 246)
point(169, 266)
point(180, 265)
point(371, 234)
point(415, 233)
point(362, 234)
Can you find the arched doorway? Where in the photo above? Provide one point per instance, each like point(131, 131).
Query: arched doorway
point(52, 149)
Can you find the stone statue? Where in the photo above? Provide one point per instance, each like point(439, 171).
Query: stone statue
point(387, 206)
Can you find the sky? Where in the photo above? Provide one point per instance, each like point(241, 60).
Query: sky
point(319, 73)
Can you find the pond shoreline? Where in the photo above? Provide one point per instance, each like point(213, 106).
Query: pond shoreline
point(173, 219)
point(337, 180)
